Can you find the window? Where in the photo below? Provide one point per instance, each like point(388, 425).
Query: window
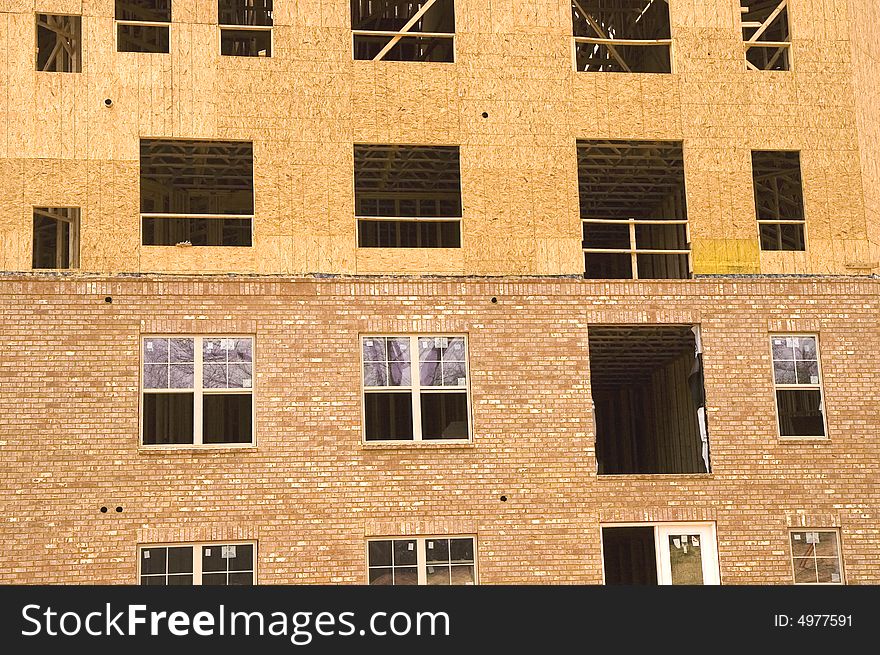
point(415, 388)
point(245, 27)
point(197, 391)
point(422, 560)
point(197, 193)
point(622, 36)
point(633, 210)
point(815, 557)
point(662, 554)
point(648, 399)
point(198, 564)
point(407, 196)
point(766, 34)
point(59, 43)
point(798, 383)
point(779, 199)
point(403, 30)
point(143, 25)
point(56, 237)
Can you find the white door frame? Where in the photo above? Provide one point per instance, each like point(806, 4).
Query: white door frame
point(708, 549)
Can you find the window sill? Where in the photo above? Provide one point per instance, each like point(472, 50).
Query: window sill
point(191, 448)
point(788, 439)
point(385, 445)
point(655, 476)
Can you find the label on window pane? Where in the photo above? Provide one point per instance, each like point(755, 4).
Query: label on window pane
point(676, 542)
point(812, 537)
point(797, 537)
point(814, 379)
point(368, 342)
point(835, 577)
point(410, 546)
point(207, 552)
point(778, 342)
point(146, 554)
point(226, 344)
point(441, 342)
point(462, 382)
point(149, 345)
point(227, 552)
point(431, 545)
point(209, 346)
point(695, 540)
point(790, 343)
point(246, 383)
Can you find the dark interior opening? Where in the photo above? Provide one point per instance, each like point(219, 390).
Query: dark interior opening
point(391, 16)
point(779, 196)
point(647, 387)
point(59, 43)
point(629, 556)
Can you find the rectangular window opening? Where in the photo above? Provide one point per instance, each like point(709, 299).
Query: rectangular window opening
point(407, 196)
point(415, 388)
point(197, 391)
point(59, 43)
point(198, 564)
point(779, 199)
point(633, 210)
point(196, 193)
point(403, 30)
point(660, 554)
point(245, 28)
point(797, 380)
point(766, 34)
point(816, 557)
point(56, 237)
point(649, 399)
point(422, 561)
point(622, 36)
point(143, 26)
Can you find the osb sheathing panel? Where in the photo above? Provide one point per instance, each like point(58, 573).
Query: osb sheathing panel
point(304, 107)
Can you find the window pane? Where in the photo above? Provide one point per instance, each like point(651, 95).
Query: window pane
point(807, 372)
point(800, 413)
point(375, 374)
point(406, 576)
point(454, 374)
point(388, 416)
point(437, 575)
point(379, 553)
point(155, 350)
point(214, 579)
point(686, 559)
point(243, 559)
point(142, 38)
point(153, 560)
point(214, 376)
point(404, 552)
point(826, 545)
point(783, 348)
point(212, 559)
point(241, 579)
point(374, 349)
point(155, 376)
point(805, 570)
point(828, 569)
point(227, 418)
point(783, 372)
point(444, 416)
point(246, 43)
point(242, 350)
point(182, 376)
point(437, 550)
point(181, 350)
point(180, 580)
point(168, 418)
point(800, 547)
point(153, 580)
point(213, 350)
point(805, 348)
point(241, 376)
point(462, 550)
point(461, 575)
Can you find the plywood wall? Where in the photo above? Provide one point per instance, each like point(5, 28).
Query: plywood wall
point(307, 105)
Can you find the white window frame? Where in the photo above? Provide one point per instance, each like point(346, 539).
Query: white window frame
point(198, 392)
point(662, 532)
point(406, 32)
point(197, 556)
point(754, 41)
point(415, 388)
point(791, 557)
point(421, 553)
point(798, 387)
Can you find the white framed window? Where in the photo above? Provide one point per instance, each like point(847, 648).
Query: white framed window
point(422, 561)
point(245, 27)
point(229, 563)
point(797, 381)
point(660, 554)
point(815, 557)
point(415, 388)
point(197, 390)
point(143, 26)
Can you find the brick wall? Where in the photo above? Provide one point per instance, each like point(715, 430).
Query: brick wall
point(311, 493)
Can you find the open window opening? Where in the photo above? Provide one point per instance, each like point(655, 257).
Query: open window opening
point(56, 237)
point(649, 399)
point(622, 36)
point(407, 196)
point(662, 554)
point(779, 199)
point(59, 43)
point(797, 379)
point(403, 30)
point(633, 210)
point(143, 26)
point(197, 193)
point(766, 34)
point(245, 28)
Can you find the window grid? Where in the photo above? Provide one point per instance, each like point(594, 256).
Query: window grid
point(798, 373)
point(415, 387)
point(445, 560)
point(197, 388)
point(196, 573)
point(816, 557)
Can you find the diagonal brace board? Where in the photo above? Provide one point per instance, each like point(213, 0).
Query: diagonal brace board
point(406, 28)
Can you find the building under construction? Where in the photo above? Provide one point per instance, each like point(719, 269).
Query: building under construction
point(440, 291)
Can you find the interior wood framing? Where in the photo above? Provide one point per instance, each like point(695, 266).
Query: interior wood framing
point(63, 34)
point(766, 28)
point(399, 19)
